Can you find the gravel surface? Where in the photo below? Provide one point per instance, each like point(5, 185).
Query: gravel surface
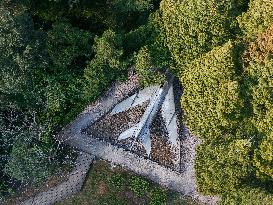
point(110, 127)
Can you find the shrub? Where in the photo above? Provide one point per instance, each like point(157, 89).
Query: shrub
point(29, 163)
point(263, 158)
point(107, 65)
point(158, 196)
point(138, 185)
point(211, 99)
point(258, 17)
point(118, 180)
point(147, 73)
point(150, 36)
point(132, 5)
point(194, 27)
point(220, 166)
point(247, 196)
point(261, 48)
point(65, 43)
point(259, 81)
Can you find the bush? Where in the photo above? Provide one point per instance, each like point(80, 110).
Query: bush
point(263, 158)
point(150, 37)
point(259, 81)
point(107, 65)
point(258, 17)
point(194, 27)
point(261, 48)
point(211, 99)
point(138, 185)
point(220, 166)
point(29, 163)
point(118, 180)
point(247, 196)
point(158, 197)
point(65, 43)
point(132, 5)
point(147, 73)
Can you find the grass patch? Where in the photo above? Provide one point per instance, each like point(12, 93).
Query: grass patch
point(114, 186)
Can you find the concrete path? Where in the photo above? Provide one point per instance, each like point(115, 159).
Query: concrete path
point(67, 188)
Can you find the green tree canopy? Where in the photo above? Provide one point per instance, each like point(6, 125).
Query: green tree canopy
point(23, 55)
point(221, 166)
point(107, 64)
point(194, 27)
point(65, 43)
point(211, 99)
point(257, 18)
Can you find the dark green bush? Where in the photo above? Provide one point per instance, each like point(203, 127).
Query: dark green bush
point(148, 74)
point(118, 180)
point(132, 5)
point(65, 43)
point(107, 65)
point(29, 163)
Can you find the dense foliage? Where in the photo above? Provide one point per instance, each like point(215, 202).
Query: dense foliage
point(194, 27)
point(58, 56)
point(257, 18)
point(228, 102)
point(212, 99)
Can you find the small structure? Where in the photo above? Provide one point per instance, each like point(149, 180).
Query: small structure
point(144, 123)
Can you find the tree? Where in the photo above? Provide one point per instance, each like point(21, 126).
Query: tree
point(23, 59)
point(153, 57)
point(132, 5)
point(194, 27)
point(221, 166)
point(247, 195)
point(262, 96)
point(29, 163)
point(211, 99)
point(66, 43)
point(263, 158)
point(261, 48)
point(145, 69)
point(257, 18)
point(106, 65)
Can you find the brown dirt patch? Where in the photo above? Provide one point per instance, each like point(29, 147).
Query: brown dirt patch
point(102, 188)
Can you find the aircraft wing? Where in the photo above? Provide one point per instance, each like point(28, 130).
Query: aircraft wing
point(131, 132)
point(136, 99)
point(169, 116)
point(146, 141)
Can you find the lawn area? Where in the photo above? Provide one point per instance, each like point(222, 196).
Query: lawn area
point(115, 186)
